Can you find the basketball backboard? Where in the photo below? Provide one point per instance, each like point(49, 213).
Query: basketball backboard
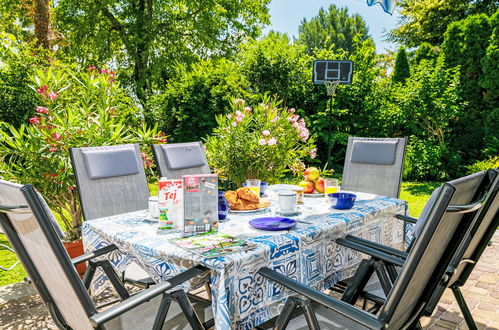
point(328, 70)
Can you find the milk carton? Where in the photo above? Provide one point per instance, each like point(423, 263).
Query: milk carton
point(170, 198)
point(200, 203)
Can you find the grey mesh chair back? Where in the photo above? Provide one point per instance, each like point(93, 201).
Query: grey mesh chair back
point(478, 238)
point(374, 165)
point(432, 252)
point(28, 227)
point(176, 159)
point(110, 179)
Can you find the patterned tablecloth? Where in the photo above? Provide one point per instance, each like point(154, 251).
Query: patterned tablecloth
point(241, 298)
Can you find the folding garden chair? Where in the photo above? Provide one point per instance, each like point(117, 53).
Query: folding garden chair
point(176, 159)
point(111, 180)
point(372, 286)
point(27, 226)
point(374, 165)
point(424, 268)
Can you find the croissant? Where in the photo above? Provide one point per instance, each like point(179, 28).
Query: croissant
point(247, 194)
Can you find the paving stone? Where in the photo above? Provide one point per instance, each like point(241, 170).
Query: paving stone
point(489, 278)
point(453, 317)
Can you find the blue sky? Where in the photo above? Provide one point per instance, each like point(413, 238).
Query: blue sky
point(286, 15)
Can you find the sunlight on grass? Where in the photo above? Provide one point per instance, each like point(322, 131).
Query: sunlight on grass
point(416, 194)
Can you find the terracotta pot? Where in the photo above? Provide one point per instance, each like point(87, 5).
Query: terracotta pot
point(75, 249)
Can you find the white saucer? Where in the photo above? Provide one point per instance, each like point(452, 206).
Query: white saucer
point(288, 214)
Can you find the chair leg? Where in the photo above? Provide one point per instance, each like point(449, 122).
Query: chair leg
point(383, 277)
point(358, 282)
point(181, 297)
point(113, 277)
point(312, 322)
point(89, 274)
point(208, 290)
point(286, 313)
point(470, 322)
point(162, 312)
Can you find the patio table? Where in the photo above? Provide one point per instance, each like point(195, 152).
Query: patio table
point(241, 298)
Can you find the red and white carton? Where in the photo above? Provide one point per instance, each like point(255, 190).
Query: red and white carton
point(170, 196)
point(200, 203)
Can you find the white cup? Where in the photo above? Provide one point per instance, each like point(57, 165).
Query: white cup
point(287, 201)
point(153, 206)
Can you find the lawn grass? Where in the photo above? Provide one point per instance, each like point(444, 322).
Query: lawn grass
point(415, 193)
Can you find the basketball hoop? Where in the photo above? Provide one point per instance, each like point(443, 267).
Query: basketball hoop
point(331, 86)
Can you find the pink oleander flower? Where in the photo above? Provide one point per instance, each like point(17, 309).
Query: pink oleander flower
point(234, 123)
point(296, 125)
point(53, 95)
point(262, 142)
point(293, 118)
point(103, 70)
point(247, 109)
point(301, 122)
point(42, 89)
point(291, 110)
point(229, 115)
point(56, 136)
point(273, 120)
point(313, 153)
point(70, 188)
point(239, 102)
point(239, 116)
point(272, 141)
point(266, 132)
point(52, 149)
point(35, 120)
point(304, 134)
point(43, 110)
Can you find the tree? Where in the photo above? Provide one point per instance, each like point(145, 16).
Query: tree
point(401, 71)
point(489, 82)
point(332, 27)
point(148, 37)
point(427, 20)
point(465, 45)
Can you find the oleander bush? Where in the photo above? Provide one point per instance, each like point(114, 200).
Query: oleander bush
point(261, 141)
point(75, 109)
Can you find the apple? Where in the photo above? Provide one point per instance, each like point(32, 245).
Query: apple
point(311, 173)
point(308, 186)
point(319, 185)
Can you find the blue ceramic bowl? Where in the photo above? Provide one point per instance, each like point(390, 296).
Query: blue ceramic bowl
point(263, 187)
point(342, 201)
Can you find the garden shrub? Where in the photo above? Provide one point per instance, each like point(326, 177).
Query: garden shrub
point(75, 109)
point(491, 162)
point(260, 140)
point(187, 108)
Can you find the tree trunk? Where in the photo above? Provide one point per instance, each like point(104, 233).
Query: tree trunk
point(41, 20)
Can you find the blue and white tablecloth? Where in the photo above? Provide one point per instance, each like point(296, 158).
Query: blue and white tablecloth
point(242, 299)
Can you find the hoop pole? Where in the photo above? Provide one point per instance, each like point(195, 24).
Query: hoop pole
point(330, 130)
point(331, 91)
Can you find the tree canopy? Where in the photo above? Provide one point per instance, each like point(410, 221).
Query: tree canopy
point(427, 20)
point(146, 38)
point(333, 27)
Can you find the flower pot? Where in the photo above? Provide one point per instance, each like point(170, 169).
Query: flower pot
point(75, 249)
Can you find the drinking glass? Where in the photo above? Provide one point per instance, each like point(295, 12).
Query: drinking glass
point(153, 206)
point(254, 184)
point(330, 187)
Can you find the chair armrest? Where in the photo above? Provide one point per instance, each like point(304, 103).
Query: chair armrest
point(93, 254)
point(406, 218)
point(145, 295)
point(370, 251)
point(377, 246)
point(347, 310)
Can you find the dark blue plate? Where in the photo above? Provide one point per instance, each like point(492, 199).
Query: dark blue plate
point(273, 223)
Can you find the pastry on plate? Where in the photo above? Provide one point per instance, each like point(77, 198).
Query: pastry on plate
point(247, 194)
